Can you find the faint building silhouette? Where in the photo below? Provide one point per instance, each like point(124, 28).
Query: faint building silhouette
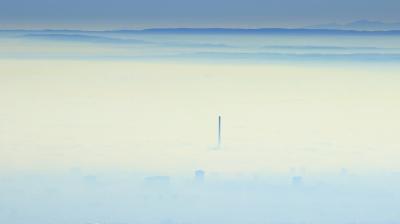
point(199, 176)
point(157, 180)
point(297, 181)
point(343, 172)
point(90, 179)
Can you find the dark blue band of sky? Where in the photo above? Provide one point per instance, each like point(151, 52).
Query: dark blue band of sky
point(189, 13)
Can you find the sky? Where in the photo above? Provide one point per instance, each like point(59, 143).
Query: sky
point(107, 14)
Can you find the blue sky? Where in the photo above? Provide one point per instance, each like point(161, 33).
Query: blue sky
point(107, 14)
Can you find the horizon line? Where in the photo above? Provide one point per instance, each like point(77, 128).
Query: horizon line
point(203, 29)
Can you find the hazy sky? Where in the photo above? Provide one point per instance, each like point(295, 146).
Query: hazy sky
point(105, 14)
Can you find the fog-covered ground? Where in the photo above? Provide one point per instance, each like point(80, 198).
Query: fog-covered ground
point(121, 197)
point(109, 127)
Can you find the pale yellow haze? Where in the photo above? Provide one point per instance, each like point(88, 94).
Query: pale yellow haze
point(162, 117)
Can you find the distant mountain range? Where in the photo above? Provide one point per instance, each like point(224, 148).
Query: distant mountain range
point(298, 31)
point(360, 25)
point(77, 34)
